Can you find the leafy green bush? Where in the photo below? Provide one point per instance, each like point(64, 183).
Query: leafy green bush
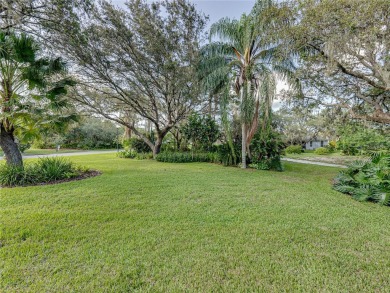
point(224, 154)
point(53, 169)
point(321, 151)
point(294, 149)
point(43, 171)
point(266, 149)
point(17, 176)
point(176, 157)
point(144, 156)
point(360, 140)
point(127, 154)
point(136, 144)
point(202, 131)
point(367, 180)
point(331, 146)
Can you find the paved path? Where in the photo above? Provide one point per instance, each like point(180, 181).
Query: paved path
point(313, 163)
point(67, 154)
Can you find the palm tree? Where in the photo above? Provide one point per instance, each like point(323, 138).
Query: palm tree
point(32, 93)
point(246, 61)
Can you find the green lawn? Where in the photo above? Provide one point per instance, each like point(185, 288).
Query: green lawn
point(31, 152)
point(145, 226)
point(335, 158)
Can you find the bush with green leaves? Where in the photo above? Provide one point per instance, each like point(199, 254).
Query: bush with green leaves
point(201, 131)
point(178, 157)
point(266, 149)
point(226, 154)
point(367, 180)
point(294, 149)
point(144, 156)
point(356, 139)
point(45, 170)
point(321, 151)
point(136, 144)
point(127, 154)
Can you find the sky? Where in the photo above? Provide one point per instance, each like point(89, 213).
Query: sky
point(216, 9)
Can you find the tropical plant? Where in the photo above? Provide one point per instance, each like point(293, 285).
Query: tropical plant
point(367, 180)
point(32, 91)
point(245, 61)
point(45, 170)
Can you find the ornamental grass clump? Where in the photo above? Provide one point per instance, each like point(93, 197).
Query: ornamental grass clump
point(45, 170)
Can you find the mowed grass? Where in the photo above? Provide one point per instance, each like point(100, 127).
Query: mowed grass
point(145, 226)
point(36, 152)
point(335, 158)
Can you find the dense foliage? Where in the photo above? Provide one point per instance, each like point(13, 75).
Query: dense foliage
point(367, 180)
point(356, 139)
point(294, 149)
point(266, 149)
point(321, 151)
point(136, 144)
point(32, 93)
point(202, 132)
point(179, 157)
point(45, 170)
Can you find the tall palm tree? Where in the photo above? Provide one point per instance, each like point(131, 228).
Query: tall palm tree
point(246, 60)
point(32, 93)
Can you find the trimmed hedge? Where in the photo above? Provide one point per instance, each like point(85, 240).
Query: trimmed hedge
point(177, 157)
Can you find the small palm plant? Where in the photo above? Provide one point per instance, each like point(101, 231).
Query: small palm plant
point(367, 180)
point(32, 93)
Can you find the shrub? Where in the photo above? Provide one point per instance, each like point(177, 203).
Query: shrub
point(357, 139)
point(294, 149)
point(137, 144)
point(202, 131)
point(17, 176)
point(43, 171)
point(224, 154)
point(266, 150)
point(177, 157)
point(127, 154)
point(367, 180)
point(144, 156)
point(53, 169)
point(321, 151)
point(331, 146)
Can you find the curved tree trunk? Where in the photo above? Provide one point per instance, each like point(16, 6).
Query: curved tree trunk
point(12, 154)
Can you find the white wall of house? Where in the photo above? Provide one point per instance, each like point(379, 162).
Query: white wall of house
point(315, 144)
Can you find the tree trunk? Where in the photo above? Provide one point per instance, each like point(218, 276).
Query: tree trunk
point(157, 146)
point(12, 154)
point(243, 146)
